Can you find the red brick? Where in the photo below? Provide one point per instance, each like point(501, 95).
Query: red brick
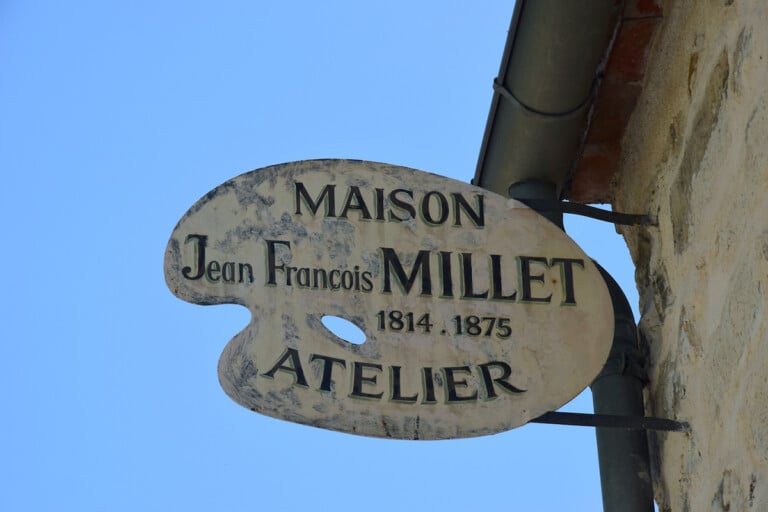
point(628, 56)
point(592, 178)
point(642, 8)
point(617, 97)
point(614, 105)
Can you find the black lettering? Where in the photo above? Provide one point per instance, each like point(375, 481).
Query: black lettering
point(328, 362)
point(396, 387)
point(468, 291)
point(566, 276)
point(421, 265)
point(488, 379)
point(335, 283)
point(295, 367)
point(302, 277)
point(228, 272)
point(320, 275)
point(496, 281)
point(200, 242)
point(477, 215)
point(288, 272)
point(347, 280)
point(241, 274)
point(446, 273)
point(327, 197)
point(272, 266)
point(451, 383)
point(442, 204)
point(359, 204)
point(402, 205)
point(429, 386)
point(526, 278)
point(358, 380)
point(212, 271)
point(379, 204)
point(367, 284)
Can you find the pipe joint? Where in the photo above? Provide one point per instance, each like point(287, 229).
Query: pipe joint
point(577, 112)
point(627, 363)
point(537, 189)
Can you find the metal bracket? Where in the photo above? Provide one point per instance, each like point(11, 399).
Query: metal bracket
point(626, 219)
point(612, 421)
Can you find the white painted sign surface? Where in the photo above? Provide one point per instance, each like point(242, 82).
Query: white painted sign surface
point(479, 314)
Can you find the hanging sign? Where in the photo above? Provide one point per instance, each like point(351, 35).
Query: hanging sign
point(478, 313)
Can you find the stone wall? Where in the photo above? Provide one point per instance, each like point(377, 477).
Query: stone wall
point(695, 154)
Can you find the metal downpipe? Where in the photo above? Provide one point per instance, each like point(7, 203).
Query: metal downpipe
point(623, 457)
point(550, 69)
point(625, 476)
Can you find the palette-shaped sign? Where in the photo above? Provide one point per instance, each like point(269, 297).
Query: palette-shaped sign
point(478, 313)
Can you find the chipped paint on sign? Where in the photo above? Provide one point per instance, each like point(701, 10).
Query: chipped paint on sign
point(478, 313)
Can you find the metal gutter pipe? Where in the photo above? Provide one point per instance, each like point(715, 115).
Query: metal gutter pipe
point(539, 114)
point(625, 477)
point(544, 91)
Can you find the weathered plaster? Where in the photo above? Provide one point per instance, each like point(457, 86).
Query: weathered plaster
point(696, 155)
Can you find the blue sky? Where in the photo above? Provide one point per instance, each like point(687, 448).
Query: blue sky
point(115, 117)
